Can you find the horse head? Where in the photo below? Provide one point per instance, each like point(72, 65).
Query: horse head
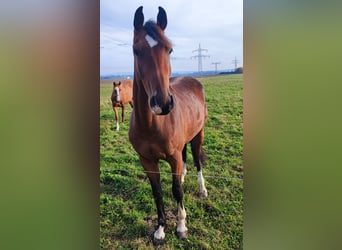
point(152, 66)
point(116, 91)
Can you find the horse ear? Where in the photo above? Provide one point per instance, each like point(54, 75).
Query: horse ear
point(119, 83)
point(162, 18)
point(138, 18)
point(114, 83)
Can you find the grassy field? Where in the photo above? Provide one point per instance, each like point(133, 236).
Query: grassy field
point(127, 210)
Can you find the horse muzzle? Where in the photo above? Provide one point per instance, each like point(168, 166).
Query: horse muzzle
point(160, 107)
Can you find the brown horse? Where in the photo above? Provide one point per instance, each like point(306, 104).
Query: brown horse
point(121, 95)
point(168, 113)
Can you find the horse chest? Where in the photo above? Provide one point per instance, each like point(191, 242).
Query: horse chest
point(154, 146)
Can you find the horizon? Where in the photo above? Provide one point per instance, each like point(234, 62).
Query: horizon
point(173, 74)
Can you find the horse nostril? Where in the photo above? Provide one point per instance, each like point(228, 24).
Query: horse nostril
point(171, 102)
point(169, 106)
point(158, 107)
point(154, 106)
point(153, 101)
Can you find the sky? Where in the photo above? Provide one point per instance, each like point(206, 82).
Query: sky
point(216, 24)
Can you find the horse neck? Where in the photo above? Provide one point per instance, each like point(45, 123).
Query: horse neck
point(143, 115)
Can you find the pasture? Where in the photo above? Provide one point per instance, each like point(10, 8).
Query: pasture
point(127, 209)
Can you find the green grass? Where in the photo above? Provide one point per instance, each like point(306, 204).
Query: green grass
point(127, 210)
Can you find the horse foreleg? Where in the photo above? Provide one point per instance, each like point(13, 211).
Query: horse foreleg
point(116, 118)
point(199, 157)
point(152, 171)
point(177, 190)
point(123, 112)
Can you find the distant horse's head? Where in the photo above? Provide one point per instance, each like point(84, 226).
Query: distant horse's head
point(152, 66)
point(116, 91)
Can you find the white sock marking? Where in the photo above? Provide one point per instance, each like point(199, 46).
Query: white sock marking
point(203, 190)
point(183, 173)
point(181, 220)
point(159, 234)
point(117, 126)
point(151, 41)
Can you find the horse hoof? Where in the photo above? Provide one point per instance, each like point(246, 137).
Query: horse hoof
point(182, 235)
point(158, 242)
point(203, 194)
point(159, 236)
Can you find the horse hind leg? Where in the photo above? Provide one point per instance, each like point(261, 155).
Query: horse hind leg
point(199, 158)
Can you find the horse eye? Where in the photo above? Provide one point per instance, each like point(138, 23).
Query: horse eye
point(171, 50)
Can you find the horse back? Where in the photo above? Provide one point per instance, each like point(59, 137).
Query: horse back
point(190, 92)
point(187, 85)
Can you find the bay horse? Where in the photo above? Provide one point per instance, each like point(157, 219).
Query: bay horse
point(121, 95)
point(168, 113)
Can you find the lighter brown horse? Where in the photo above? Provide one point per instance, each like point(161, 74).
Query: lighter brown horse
point(121, 95)
point(168, 113)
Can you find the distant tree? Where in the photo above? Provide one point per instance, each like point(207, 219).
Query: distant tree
point(239, 70)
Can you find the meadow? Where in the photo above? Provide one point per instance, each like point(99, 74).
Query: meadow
point(127, 210)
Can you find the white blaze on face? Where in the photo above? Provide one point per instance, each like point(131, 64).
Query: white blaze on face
point(159, 234)
point(151, 41)
point(118, 99)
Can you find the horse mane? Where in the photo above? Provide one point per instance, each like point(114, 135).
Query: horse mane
point(154, 31)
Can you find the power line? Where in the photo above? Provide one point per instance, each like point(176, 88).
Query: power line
point(199, 56)
point(170, 173)
point(177, 58)
point(116, 41)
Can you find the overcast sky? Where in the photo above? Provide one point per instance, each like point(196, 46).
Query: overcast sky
point(215, 24)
